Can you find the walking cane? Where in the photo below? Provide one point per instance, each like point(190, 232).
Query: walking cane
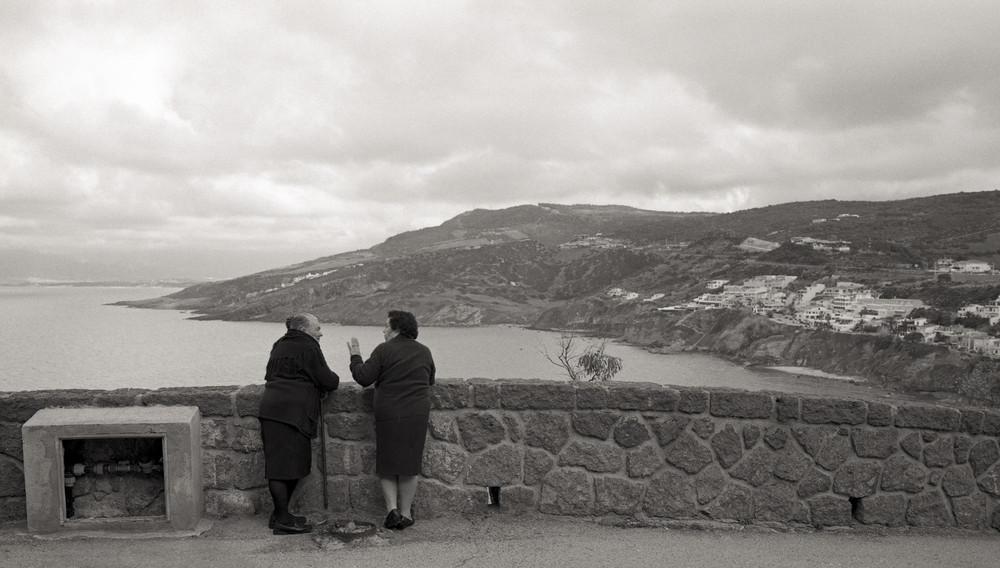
point(322, 450)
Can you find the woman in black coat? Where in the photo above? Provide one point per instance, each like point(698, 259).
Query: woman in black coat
point(296, 381)
point(402, 371)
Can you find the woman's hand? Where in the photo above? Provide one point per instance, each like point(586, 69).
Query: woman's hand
point(353, 347)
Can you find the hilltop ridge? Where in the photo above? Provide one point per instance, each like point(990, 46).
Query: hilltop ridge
point(515, 265)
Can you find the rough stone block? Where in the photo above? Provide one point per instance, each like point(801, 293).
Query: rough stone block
point(547, 430)
point(834, 452)
point(443, 427)
point(688, 453)
point(530, 395)
point(710, 483)
point(903, 474)
point(518, 500)
point(669, 428)
point(338, 492)
point(347, 398)
point(928, 509)
point(485, 393)
point(958, 481)
point(735, 503)
point(231, 503)
point(833, 411)
point(515, 431)
point(882, 509)
point(566, 492)
point(631, 432)
point(787, 407)
point(13, 508)
point(642, 396)
point(875, 442)
point(990, 481)
point(497, 466)
point(345, 458)
point(913, 445)
point(692, 401)
point(672, 495)
point(591, 396)
point(814, 482)
point(593, 456)
point(751, 435)
point(791, 465)
point(21, 406)
point(776, 437)
point(350, 426)
point(10, 440)
point(703, 427)
point(778, 502)
point(479, 430)
point(971, 512)
point(450, 394)
point(830, 511)
point(940, 453)
point(240, 471)
point(880, 414)
point(595, 424)
point(11, 478)
point(741, 404)
point(434, 499)
point(962, 446)
point(246, 400)
point(857, 479)
point(643, 461)
point(929, 418)
point(537, 464)
point(991, 423)
point(246, 435)
point(972, 421)
point(756, 467)
point(982, 455)
point(616, 495)
point(214, 433)
point(728, 446)
point(212, 401)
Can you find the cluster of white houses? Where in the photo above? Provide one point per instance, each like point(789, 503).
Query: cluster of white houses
point(845, 307)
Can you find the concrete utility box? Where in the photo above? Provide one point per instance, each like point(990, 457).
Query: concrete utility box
point(179, 431)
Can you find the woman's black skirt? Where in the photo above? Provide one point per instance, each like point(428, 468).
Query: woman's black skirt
point(287, 452)
point(399, 445)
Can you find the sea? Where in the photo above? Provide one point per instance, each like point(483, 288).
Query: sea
point(71, 337)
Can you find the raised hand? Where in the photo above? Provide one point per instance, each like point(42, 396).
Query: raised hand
point(353, 347)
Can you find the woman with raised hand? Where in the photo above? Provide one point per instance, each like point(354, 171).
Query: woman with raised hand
point(402, 371)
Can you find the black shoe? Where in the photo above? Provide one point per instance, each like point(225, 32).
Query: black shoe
point(404, 522)
point(298, 520)
point(297, 529)
point(393, 519)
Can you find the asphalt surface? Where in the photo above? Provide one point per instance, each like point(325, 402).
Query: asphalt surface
point(501, 540)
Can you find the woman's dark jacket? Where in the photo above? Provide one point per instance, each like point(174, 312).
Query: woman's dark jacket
point(402, 371)
point(297, 376)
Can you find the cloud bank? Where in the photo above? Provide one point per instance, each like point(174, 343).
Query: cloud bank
point(214, 139)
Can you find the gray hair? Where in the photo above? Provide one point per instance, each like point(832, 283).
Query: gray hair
point(298, 321)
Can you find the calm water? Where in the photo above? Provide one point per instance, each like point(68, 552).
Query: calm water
point(66, 337)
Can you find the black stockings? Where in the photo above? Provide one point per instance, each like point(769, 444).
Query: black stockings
point(281, 492)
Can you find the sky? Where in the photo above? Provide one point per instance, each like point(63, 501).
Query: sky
point(216, 139)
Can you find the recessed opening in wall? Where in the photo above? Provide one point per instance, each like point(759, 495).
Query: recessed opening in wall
point(855, 506)
point(113, 478)
point(493, 496)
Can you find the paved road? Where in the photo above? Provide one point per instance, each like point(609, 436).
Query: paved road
point(506, 541)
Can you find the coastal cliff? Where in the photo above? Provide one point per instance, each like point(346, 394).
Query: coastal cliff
point(756, 340)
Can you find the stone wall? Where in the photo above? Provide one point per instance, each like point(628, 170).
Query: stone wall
point(630, 450)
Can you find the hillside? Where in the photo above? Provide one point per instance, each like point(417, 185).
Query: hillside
point(551, 265)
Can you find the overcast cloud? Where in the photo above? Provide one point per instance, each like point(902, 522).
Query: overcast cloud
point(217, 139)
